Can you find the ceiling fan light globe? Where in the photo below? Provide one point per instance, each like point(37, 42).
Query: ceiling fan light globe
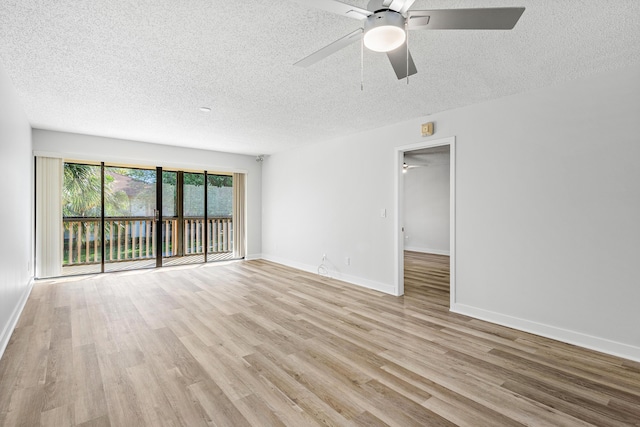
point(384, 39)
point(384, 31)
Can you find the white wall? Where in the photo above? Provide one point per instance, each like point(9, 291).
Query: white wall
point(328, 199)
point(16, 250)
point(547, 208)
point(426, 207)
point(117, 151)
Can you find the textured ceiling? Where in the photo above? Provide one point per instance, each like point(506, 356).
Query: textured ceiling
point(141, 69)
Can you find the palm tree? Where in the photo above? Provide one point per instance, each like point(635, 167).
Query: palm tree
point(82, 197)
point(81, 191)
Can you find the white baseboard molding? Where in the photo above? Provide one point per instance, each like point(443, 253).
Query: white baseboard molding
point(15, 316)
point(250, 257)
point(571, 337)
point(354, 280)
point(427, 250)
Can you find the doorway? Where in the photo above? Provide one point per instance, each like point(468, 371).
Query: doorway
point(401, 232)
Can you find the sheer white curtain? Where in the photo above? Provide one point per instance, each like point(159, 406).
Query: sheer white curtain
point(49, 176)
point(239, 240)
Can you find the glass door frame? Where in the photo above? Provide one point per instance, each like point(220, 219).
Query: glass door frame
point(156, 222)
point(137, 230)
point(158, 217)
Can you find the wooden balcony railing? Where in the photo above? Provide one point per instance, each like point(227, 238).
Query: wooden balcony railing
point(129, 239)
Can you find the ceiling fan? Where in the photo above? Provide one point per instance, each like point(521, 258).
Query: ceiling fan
point(406, 167)
point(386, 23)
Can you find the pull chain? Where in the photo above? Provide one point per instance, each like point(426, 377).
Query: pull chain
point(362, 64)
point(406, 30)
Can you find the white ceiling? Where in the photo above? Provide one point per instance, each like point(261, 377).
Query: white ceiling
point(141, 69)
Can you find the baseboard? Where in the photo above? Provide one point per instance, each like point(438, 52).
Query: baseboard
point(426, 250)
point(571, 337)
point(252, 257)
point(354, 280)
point(15, 316)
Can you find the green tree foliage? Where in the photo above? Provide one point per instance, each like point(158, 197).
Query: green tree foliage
point(81, 193)
point(81, 190)
point(220, 180)
point(197, 179)
point(134, 191)
point(82, 197)
point(147, 176)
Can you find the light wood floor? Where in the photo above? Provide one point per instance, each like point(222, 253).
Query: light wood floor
point(109, 267)
point(255, 343)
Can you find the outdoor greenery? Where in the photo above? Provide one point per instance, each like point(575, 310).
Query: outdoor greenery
point(131, 192)
point(168, 177)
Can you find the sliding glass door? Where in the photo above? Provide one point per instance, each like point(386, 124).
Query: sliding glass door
point(193, 218)
point(148, 217)
point(81, 219)
point(201, 235)
point(170, 217)
point(129, 218)
point(219, 217)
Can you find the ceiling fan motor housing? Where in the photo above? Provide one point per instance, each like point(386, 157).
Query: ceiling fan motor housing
point(384, 31)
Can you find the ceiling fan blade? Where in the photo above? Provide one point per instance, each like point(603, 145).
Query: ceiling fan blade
point(401, 6)
point(398, 59)
point(331, 49)
point(337, 7)
point(498, 18)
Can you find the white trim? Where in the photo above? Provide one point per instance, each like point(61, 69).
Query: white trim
point(399, 195)
point(354, 280)
point(398, 231)
point(250, 257)
point(124, 161)
point(452, 222)
point(572, 337)
point(427, 250)
point(13, 320)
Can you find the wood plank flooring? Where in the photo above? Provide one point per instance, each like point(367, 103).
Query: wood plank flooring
point(109, 267)
point(255, 343)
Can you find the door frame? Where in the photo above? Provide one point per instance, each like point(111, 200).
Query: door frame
point(399, 199)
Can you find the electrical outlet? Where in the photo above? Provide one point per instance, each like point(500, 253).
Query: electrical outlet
point(347, 261)
point(324, 257)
